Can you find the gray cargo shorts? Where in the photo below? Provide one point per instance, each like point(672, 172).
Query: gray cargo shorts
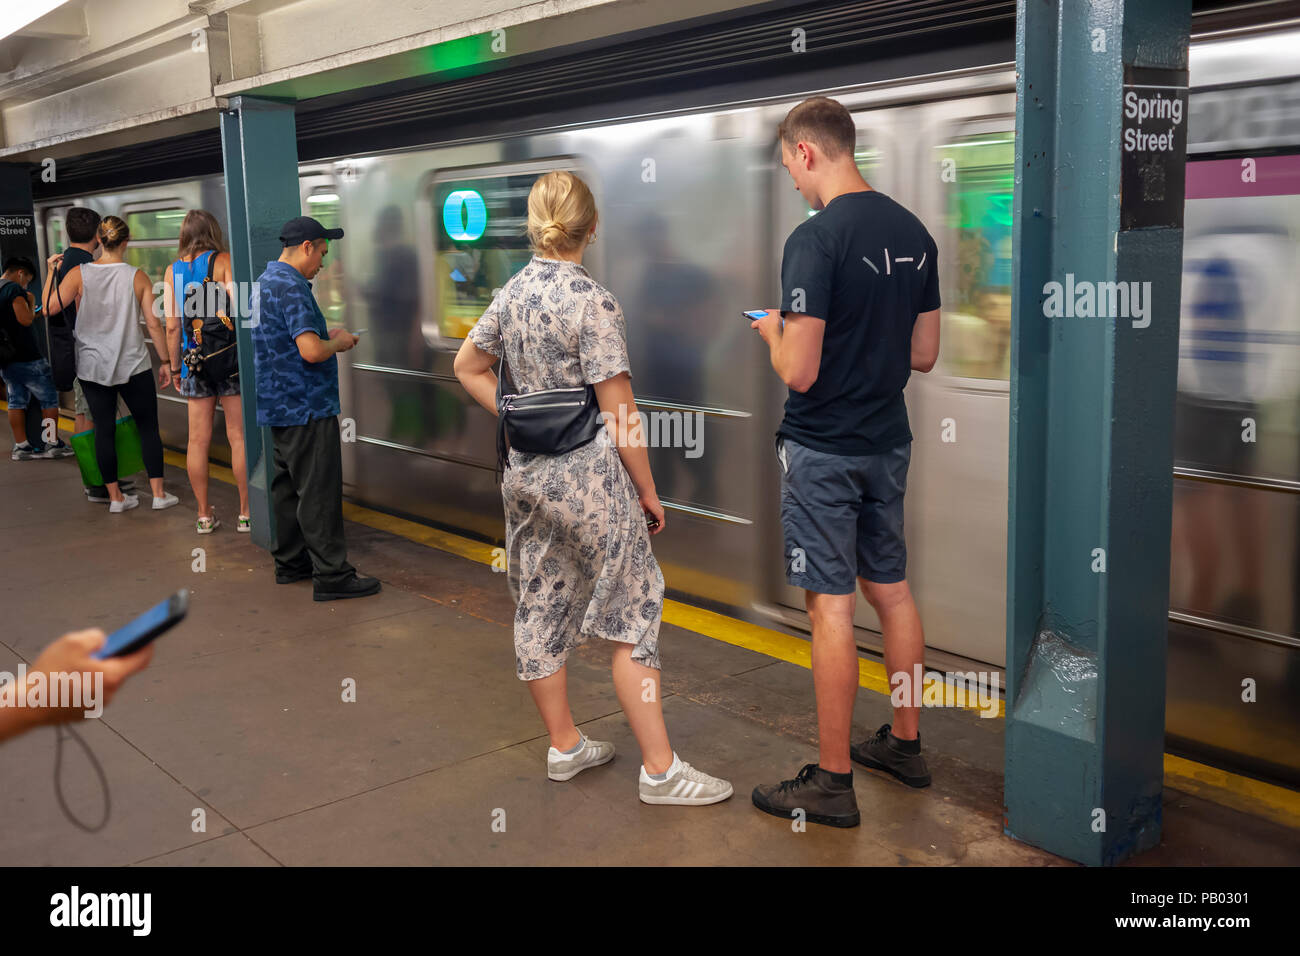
point(842, 517)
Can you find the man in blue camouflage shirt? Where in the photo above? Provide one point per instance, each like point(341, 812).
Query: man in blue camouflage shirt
point(298, 399)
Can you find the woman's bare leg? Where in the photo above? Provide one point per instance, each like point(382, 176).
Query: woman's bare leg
point(551, 695)
point(637, 687)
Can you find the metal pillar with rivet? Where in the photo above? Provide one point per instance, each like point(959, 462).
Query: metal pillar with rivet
point(1101, 121)
point(260, 151)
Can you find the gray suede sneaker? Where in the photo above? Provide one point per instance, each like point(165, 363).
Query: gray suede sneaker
point(562, 766)
point(901, 758)
point(684, 787)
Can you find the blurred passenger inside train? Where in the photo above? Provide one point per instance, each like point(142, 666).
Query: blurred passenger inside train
point(579, 520)
point(859, 312)
point(81, 224)
point(203, 259)
point(298, 399)
point(24, 369)
point(111, 295)
point(396, 339)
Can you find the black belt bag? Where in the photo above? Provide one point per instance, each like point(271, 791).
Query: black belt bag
point(548, 422)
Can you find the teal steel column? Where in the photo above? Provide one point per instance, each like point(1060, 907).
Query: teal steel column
point(260, 150)
point(1098, 239)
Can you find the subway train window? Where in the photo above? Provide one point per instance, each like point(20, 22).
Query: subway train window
point(155, 224)
point(481, 230)
point(1239, 336)
point(975, 274)
point(155, 234)
point(323, 206)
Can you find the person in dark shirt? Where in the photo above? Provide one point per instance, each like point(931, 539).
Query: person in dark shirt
point(859, 313)
point(26, 375)
point(297, 390)
point(82, 225)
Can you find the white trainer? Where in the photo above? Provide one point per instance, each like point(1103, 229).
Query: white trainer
point(166, 501)
point(562, 766)
point(684, 787)
point(126, 504)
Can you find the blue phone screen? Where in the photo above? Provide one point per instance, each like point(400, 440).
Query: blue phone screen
point(757, 313)
point(125, 636)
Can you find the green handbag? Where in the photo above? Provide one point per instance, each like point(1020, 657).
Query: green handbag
point(130, 455)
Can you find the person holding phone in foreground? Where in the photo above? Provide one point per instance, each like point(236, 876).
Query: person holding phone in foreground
point(72, 653)
point(298, 399)
point(860, 304)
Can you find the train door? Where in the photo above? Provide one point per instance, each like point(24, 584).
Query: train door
point(957, 492)
point(320, 198)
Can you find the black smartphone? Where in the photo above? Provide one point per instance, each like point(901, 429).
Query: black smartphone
point(146, 627)
point(755, 315)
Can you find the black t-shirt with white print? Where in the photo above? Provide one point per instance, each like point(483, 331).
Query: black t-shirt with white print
point(867, 267)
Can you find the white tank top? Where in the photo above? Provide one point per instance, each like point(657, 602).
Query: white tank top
point(110, 345)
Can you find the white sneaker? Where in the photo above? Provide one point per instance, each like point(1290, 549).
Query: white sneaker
point(562, 766)
point(126, 504)
point(166, 501)
point(684, 787)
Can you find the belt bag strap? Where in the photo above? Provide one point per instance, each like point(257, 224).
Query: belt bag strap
point(548, 422)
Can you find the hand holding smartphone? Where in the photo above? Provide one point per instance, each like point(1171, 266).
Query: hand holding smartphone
point(149, 625)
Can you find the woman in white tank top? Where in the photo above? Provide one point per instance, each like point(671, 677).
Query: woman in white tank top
point(112, 359)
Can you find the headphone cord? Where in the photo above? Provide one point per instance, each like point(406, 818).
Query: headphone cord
point(59, 731)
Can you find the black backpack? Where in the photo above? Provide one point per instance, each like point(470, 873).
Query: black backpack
point(215, 354)
point(61, 329)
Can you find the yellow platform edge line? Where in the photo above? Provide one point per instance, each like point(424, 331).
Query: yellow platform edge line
point(1245, 794)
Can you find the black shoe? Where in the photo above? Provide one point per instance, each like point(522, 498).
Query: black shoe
point(885, 752)
point(354, 587)
point(98, 494)
point(292, 576)
point(822, 799)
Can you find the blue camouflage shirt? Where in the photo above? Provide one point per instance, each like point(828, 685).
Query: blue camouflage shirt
point(290, 390)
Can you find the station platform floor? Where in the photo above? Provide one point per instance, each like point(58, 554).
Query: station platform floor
point(241, 716)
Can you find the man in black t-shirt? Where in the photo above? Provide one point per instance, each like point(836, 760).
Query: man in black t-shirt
point(860, 304)
point(26, 374)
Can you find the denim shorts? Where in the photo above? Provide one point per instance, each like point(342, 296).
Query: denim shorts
point(842, 517)
point(27, 380)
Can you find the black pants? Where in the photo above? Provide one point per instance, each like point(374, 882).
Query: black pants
point(307, 496)
point(142, 402)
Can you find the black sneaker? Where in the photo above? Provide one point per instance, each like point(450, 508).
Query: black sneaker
point(98, 494)
point(886, 752)
point(354, 587)
point(822, 799)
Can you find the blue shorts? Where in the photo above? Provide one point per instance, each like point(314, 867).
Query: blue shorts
point(842, 517)
point(27, 380)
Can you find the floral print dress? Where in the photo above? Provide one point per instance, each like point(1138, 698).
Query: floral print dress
point(579, 556)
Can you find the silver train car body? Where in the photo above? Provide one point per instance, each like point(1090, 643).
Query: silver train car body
point(694, 209)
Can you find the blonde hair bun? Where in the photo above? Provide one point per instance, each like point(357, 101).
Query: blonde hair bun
point(561, 212)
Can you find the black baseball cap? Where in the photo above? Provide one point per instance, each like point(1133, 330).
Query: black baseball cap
point(306, 229)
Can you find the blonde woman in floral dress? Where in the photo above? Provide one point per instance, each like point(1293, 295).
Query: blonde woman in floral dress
point(577, 540)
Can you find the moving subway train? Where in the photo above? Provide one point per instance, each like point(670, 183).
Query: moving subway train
point(694, 210)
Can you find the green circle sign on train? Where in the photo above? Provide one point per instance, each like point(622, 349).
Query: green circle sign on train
point(464, 215)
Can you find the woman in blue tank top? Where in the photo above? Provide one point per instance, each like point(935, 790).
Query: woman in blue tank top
point(200, 241)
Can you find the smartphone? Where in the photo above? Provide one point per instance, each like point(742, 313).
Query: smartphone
point(146, 627)
point(755, 315)
point(360, 331)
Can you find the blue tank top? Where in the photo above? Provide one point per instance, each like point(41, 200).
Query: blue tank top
point(184, 275)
